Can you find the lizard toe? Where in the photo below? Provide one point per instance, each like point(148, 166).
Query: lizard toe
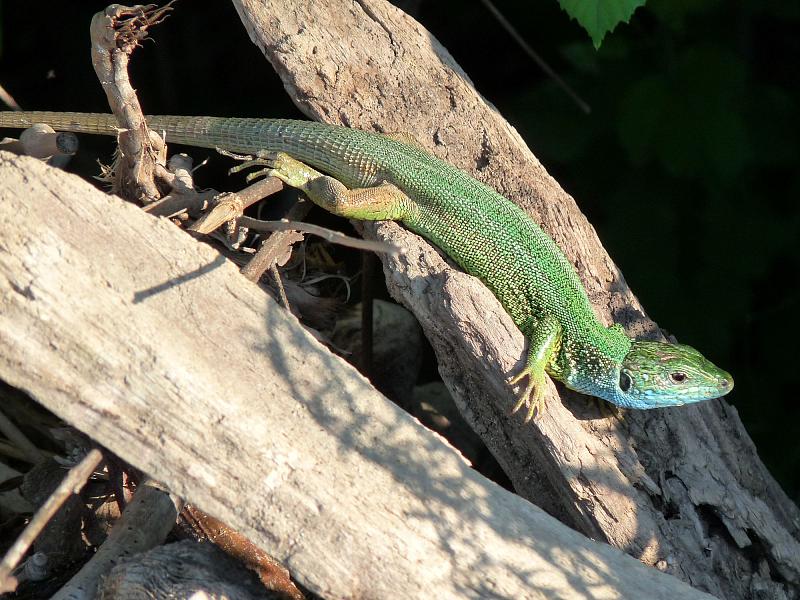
point(536, 405)
point(533, 395)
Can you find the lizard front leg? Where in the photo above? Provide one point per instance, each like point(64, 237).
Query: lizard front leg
point(379, 203)
point(545, 340)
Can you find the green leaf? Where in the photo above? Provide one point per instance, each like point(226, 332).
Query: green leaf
point(598, 17)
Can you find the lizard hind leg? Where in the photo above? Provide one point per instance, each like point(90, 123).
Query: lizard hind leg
point(379, 203)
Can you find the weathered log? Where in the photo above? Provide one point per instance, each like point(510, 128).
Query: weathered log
point(158, 348)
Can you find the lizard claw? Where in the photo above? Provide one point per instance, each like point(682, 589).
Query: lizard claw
point(275, 164)
point(533, 396)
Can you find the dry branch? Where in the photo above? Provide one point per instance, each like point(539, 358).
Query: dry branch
point(116, 32)
point(272, 575)
point(230, 206)
point(71, 484)
point(276, 250)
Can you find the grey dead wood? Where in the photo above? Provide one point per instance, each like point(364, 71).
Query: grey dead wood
point(186, 569)
point(144, 525)
point(159, 349)
point(679, 488)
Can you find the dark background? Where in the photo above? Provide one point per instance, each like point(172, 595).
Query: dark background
point(686, 165)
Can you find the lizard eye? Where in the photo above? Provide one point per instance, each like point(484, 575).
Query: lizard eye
point(678, 377)
point(625, 381)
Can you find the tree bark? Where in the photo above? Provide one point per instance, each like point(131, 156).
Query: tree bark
point(158, 348)
point(681, 489)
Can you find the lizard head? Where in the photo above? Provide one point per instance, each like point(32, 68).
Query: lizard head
point(655, 374)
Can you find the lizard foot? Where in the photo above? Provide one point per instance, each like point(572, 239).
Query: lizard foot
point(277, 164)
point(533, 396)
point(545, 339)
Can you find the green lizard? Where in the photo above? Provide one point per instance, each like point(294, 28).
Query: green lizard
point(378, 177)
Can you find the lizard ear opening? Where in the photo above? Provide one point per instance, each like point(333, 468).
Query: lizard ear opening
point(625, 381)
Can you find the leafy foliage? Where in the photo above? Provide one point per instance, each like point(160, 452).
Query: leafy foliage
point(598, 17)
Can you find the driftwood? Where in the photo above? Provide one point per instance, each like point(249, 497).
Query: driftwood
point(183, 570)
point(681, 489)
point(158, 348)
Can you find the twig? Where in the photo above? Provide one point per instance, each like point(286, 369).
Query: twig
point(11, 451)
point(71, 484)
point(173, 205)
point(231, 206)
point(548, 70)
point(8, 99)
point(332, 236)
point(183, 197)
point(276, 250)
point(276, 275)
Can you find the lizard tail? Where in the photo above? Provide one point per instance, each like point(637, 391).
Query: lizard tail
point(96, 123)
